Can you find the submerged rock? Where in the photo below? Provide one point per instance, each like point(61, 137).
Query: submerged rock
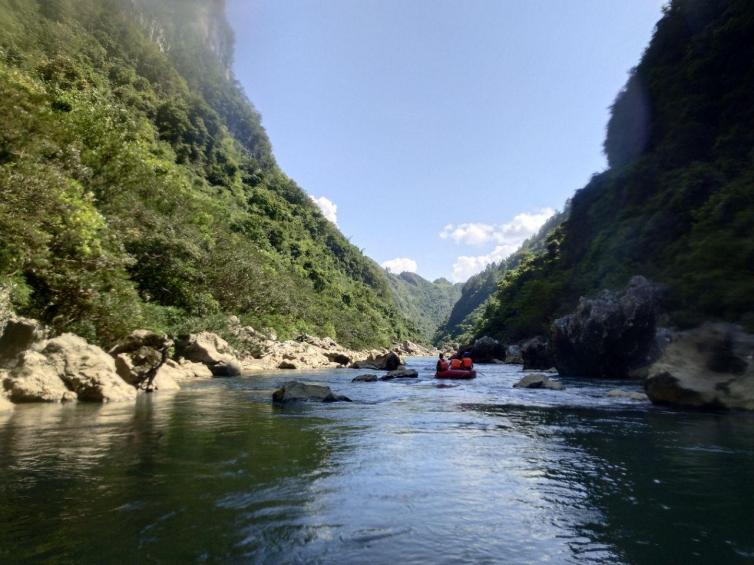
point(627, 394)
point(609, 335)
point(536, 354)
point(295, 391)
point(708, 367)
point(539, 381)
point(365, 379)
point(400, 374)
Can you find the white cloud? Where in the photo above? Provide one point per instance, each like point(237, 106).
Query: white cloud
point(399, 265)
point(507, 237)
point(328, 207)
point(522, 226)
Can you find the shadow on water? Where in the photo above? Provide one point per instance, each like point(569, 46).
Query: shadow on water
point(665, 484)
point(178, 478)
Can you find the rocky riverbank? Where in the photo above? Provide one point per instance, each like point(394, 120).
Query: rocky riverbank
point(37, 367)
point(617, 334)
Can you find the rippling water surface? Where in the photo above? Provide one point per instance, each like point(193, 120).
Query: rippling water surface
point(410, 472)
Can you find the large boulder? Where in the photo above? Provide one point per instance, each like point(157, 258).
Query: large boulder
point(708, 367)
point(387, 362)
point(536, 354)
point(210, 349)
point(35, 379)
point(513, 355)
point(610, 335)
point(627, 394)
point(294, 391)
point(400, 374)
point(365, 379)
point(66, 368)
point(485, 350)
point(18, 335)
point(183, 370)
point(539, 381)
point(140, 354)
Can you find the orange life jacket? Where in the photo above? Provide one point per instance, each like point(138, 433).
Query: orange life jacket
point(467, 363)
point(455, 363)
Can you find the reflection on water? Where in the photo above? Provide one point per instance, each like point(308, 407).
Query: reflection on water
point(478, 472)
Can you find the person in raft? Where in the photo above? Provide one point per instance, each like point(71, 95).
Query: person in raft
point(442, 364)
point(467, 363)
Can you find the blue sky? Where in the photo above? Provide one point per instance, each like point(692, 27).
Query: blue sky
point(438, 132)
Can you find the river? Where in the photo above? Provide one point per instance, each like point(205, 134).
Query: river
point(410, 472)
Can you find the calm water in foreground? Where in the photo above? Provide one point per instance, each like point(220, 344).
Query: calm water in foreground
point(408, 473)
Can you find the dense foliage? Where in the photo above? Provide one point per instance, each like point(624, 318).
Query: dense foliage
point(426, 303)
point(677, 203)
point(139, 190)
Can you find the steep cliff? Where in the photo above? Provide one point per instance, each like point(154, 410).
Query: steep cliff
point(676, 204)
point(139, 188)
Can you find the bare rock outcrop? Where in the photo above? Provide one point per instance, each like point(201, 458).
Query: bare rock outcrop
point(18, 335)
point(484, 350)
point(609, 335)
point(536, 354)
point(709, 367)
point(139, 359)
point(66, 368)
point(210, 349)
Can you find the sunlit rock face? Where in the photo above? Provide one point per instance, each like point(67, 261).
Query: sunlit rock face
point(709, 367)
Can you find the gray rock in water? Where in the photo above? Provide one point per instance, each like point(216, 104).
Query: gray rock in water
point(400, 374)
point(627, 394)
point(708, 367)
point(513, 355)
point(295, 391)
point(387, 362)
point(485, 350)
point(610, 335)
point(365, 379)
point(536, 354)
point(539, 381)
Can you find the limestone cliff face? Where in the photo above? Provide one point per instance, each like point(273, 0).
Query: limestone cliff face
point(174, 23)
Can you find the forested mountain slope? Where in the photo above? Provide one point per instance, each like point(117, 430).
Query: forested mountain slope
point(426, 303)
point(478, 290)
point(139, 188)
point(677, 202)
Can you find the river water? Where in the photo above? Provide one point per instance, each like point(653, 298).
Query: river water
point(410, 472)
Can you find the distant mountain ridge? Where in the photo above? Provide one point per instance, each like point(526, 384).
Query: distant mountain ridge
point(426, 303)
